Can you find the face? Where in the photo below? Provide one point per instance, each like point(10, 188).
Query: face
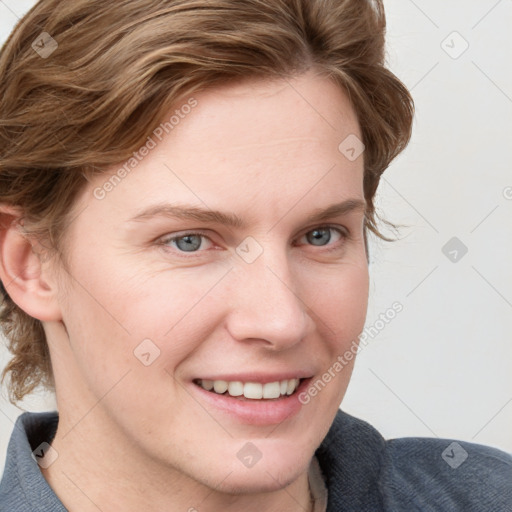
point(232, 254)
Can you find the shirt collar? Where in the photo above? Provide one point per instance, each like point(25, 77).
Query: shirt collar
point(23, 487)
point(349, 460)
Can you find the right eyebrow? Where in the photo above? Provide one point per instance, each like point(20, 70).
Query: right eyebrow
point(189, 213)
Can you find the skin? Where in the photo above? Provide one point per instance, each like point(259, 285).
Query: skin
point(134, 437)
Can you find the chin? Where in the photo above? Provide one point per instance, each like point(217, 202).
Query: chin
point(254, 481)
point(276, 469)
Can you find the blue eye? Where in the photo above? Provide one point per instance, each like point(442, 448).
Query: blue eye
point(320, 236)
point(195, 242)
point(190, 242)
point(323, 236)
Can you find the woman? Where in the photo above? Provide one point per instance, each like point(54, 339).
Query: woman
point(186, 189)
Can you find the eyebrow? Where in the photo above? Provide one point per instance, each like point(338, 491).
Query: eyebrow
point(206, 215)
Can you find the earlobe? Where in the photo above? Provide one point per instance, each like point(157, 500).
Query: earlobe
point(22, 271)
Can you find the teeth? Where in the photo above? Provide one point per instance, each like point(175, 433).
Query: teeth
point(271, 390)
point(236, 388)
point(220, 386)
point(252, 390)
point(207, 384)
point(292, 384)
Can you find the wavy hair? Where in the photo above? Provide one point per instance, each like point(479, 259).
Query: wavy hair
point(87, 93)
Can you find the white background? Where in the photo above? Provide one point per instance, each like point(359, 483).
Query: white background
point(442, 367)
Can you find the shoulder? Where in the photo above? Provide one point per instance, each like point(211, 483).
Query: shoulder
point(363, 471)
point(443, 474)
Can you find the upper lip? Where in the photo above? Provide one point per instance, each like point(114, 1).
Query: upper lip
point(259, 377)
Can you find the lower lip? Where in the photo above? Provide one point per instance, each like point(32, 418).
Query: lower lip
point(255, 412)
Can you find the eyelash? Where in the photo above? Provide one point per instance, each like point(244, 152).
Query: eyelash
point(343, 232)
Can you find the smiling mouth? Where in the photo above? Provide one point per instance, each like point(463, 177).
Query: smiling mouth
point(251, 390)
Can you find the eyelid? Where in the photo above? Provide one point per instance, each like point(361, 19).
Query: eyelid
point(181, 234)
point(336, 227)
point(342, 230)
point(164, 240)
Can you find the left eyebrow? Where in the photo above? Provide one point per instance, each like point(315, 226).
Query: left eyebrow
point(190, 212)
point(337, 210)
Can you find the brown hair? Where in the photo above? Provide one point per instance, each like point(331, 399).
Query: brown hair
point(119, 67)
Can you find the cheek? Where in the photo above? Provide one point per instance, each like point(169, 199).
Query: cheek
point(108, 318)
point(338, 302)
point(341, 310)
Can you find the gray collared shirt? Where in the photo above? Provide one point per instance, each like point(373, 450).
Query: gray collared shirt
point(360, 470)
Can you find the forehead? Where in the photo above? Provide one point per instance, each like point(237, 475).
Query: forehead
point(247, 117)
point(253, 142)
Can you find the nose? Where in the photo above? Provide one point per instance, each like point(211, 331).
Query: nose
point(266, 306)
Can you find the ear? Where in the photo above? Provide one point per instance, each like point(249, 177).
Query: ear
point(22, 270)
